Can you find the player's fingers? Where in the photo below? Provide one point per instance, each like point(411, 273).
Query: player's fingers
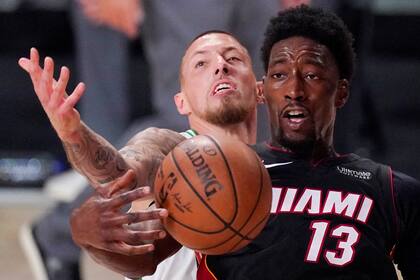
point(75, 96)
point(31, 65)
point(131, 237)
point(128, 197)
point(34, 67)
point(24, 63)
point(136, 217)
point(47, 76)
point(60, 86)
point(63, 79)
point(34, 56)
point(140, 237)
point(129, 250)
point(123, 183)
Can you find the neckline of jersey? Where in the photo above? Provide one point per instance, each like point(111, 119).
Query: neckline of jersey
point(331, 159)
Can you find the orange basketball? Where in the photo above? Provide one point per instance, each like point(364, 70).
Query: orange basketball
point(217, 192)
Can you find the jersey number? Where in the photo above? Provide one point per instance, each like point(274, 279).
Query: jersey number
point(347, 237)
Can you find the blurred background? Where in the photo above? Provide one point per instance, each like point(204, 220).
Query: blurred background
point(381, 122)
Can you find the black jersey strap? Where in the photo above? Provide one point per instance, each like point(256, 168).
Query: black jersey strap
point(387, 179)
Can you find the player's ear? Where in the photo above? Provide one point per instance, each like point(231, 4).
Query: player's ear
point(182, 103)
point(343, 92)
point(260, 92)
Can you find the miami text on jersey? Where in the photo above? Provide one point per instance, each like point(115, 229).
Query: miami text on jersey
point(320, 202)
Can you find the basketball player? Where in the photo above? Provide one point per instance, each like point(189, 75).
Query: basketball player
point(333, 216)
point(219, 97)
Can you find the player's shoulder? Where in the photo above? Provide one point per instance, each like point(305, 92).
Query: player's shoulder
point(364, 162)
point(370, 167)
point(403, 183)
point(156, 134)
point(397, 176)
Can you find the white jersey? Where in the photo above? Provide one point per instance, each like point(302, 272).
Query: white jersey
point(181, 266)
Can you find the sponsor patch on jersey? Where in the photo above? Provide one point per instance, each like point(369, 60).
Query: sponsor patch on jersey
point(364, 175)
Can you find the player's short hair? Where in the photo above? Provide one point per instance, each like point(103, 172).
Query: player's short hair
point(316, 24)
point(213, 31)
point(217, 31)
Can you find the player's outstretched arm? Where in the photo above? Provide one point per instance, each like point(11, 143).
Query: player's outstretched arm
point(87, 151)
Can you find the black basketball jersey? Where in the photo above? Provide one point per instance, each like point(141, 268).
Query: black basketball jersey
point(335, 219)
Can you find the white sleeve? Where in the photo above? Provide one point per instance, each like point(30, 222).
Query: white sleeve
point(182, 265)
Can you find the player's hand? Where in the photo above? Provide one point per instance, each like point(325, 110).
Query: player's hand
point(99, 223)
point(122, 15)
point(60, 107)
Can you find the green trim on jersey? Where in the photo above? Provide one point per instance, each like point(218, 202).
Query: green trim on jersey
point(190, 133)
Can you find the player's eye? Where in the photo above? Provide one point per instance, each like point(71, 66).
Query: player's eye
point(311, 76)
point(233, 58)
point(199, 64)
point(278, 76)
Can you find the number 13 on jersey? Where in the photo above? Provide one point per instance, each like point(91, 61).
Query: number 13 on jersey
point(347, 237)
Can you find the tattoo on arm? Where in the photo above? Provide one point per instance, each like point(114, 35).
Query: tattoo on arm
point(132, 154)
point(103, 156)
point(94, 157)
point(147, 150)
point(98, 160)
point(120, 167)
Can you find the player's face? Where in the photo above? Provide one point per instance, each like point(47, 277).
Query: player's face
point(303, 91)
point(218, 80)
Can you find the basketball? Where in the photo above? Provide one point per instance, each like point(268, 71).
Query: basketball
point(217, 192)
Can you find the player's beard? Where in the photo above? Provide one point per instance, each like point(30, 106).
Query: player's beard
point(299, 146)
point(228, 112)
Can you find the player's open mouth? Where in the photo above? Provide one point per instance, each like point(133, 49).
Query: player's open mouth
point(223, 87)
point(297, 115)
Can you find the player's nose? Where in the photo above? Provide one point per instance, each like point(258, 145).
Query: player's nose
point(222, 67)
